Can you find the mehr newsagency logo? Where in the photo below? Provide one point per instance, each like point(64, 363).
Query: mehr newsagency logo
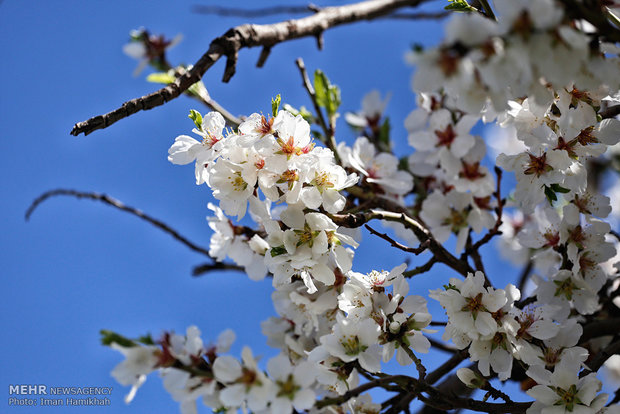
point(45, 395)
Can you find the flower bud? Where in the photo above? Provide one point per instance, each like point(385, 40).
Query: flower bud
point(394, 327)
point(470, 378)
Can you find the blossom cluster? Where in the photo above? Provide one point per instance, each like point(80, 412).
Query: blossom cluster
point(274, 157)
point(538, 74)
point(551, 105)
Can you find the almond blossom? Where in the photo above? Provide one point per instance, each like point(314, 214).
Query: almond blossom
point(535, 70)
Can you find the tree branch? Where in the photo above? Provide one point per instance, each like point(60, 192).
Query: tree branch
point(442, 347)
point(421, 269)
point(119, 205)
point(595, 16)
point(446, 367)
point(210, 267)
point(290, 10)
point(488, 11)
point(379, 382)
point(329, 136)
point(418, 364)
point(424, 235)
point(525, 274)
point(254, 13)
point(599, 328)
point(398, 245)
point(442, 401)
point(499, 210)
point(610, 112)
point(417, 16)
point(602, 356)
point(211, 103)
point(246, 36)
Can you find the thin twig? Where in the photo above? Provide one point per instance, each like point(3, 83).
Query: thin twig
point(447, 366)
point(119, 205)
point(418, 364)
point(291, 10)
point(211, 103)
point(578, 10)
point(246, 36)
point(525, 274)
point(417, 16)
point(421, 269)
point(254, 13)
point(495, 393)
point(526, 301)
point(379, 382)
point(311, 92)
point(401, 405)
point(439, 251)
point(602, 356)
point(413, 388)
point(612, 16)
point(394, 243)
point(328, 131)
point(488, 11)
point(442, 347)
point(233, 121)
point(610, 112)
point(598, 328)
point(475, 255)
point(499, 210)
point(210, 267)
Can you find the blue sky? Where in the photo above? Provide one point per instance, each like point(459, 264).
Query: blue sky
point(79, 266)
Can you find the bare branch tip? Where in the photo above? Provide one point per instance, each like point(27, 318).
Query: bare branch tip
point(104, 198)
point(231, 67)
point(264, 55)
point(320, 40)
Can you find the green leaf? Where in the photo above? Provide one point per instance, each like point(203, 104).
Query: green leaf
point(334, 100)
point(550, 194)
point(559, 189)
point(552, 190)
point(109, 337)
point(459, 6)
point(450, 286)
point(307, 115)
point(277, 251)
point(195, 116)
point(384, 135)
point(146, 340)
point(161, 77)
point(303, 111)
point(417, 47)
point(275, 105)
point(327, 95)
point(320, 87)
point(403, 163)
point(318, 135)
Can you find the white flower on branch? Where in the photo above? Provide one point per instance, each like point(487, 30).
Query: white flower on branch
point(245, 383)
point(352, 340)
point(370, 114)
point(186, 149)
point(139, 362)
point(562, 391)
point(292, 385)
point(470, 306)
point(378, 168)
